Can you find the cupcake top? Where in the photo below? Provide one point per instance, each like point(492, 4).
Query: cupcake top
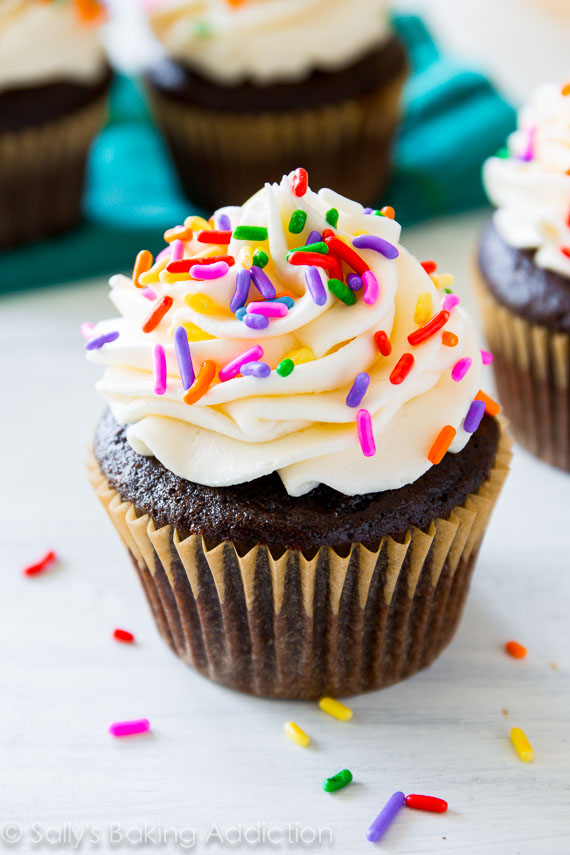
point(294, 335)
point(530, 181)
point(267, 41)
point(47, 41)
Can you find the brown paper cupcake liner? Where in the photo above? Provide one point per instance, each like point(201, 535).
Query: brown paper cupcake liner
point(42, 175)
point(294, 627)
point(223, 158)
point(532, 371)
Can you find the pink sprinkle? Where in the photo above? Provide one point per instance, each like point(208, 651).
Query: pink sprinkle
point(159, 369)
point(270, 310)
point(486, 357)
point(86, 330)
point(450, 302)
point(129, 728)
point(365, 435)
point(528, 153)
point(209, 271)
point(164, 253)
point(176, 250)
point(149, 293)
point(232, 369)
point(371, 290)
point(461, 368)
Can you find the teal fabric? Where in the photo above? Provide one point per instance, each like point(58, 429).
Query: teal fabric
point(453, 120)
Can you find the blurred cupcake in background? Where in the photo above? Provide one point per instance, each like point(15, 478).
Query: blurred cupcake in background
point(54, 78)
point(249, 89)
point(524, 273)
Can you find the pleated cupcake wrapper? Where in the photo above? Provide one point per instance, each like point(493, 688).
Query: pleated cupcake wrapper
point(223, 157)
point(42, 171)
point(532, 371)
point(298, 627)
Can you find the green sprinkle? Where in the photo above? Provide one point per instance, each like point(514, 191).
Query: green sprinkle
point(250, 233)
point(203, 30)
point(448, 290)
point(319, 247)
point(331, 217)
point(378, 213)
point(337, 782)
point(285, 367)
point(503, 153)
point(260, 258)
point(297, 222)
point(342, 291)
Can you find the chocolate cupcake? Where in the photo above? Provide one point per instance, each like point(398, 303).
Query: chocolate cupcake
point(523, 274)
point(296, 452)
point(246, 92)
point(53, 84)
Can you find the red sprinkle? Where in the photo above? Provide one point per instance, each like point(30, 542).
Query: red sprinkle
point(426, 803)
point(383, 343)
point(429, 266)
point(157, 314)
point(402, 369)
point(184, 265)
point(565, 250)
point(516, 650)
point(314, 259)
point(41, 565)
point(423, 333)
point(213, 236)
point(328, 233)
point(342, 250)
point(123, 635)
point(300, 182)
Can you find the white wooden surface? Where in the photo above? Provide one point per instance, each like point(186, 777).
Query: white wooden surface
point(215, 756)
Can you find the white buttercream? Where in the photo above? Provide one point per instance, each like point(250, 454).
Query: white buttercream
point(299, 425)
point(268, 40)
point(533, 195)
point(43, 42)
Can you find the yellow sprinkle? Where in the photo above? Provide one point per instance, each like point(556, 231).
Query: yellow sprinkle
point(522, 745)
point(246, 257)
point(193, 332)
point(299, 357)
point(171, 278)
point(196, 224)
point(295, 733)
point(335, 708)
point(205, 305)
point(424, 308)
point(151, 276)
point(443, 280)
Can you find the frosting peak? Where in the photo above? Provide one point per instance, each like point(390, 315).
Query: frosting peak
point(294, 335)
point(530, 185)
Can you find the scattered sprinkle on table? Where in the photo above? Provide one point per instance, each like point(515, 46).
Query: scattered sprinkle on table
point(41, 565)
point(386, 816)
point(330, 706)
point(295, 734)
point(338, 781)
point(429, 803)
point(129, 728)
point(516, 650)
point(522, 745)
point(124, 635)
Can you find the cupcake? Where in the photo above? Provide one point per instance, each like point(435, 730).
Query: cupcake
point(53, 81)
point(245, 91)
point(523, 273)
point(296, 451)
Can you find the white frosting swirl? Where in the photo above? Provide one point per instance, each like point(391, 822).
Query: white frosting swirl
point(531, 188)
point(44, 42)
point(299, 425)
point(268, 40)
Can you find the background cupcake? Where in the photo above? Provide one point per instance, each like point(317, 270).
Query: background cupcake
point(524, 273)
point(53, 82)
point(275, 458)
point(249, 90)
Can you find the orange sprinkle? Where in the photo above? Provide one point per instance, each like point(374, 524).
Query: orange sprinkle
point(566, 89)
point(143, 263)
point(449, 339)
point(388, 211)
point(443, 440)
point(491, 407)
point(285, 294)
point(90, 11)
point(178, 233)
point(157, 314)
point(516, 650)
point(202, 382)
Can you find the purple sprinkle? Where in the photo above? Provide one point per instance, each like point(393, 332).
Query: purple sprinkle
point(450, 302)
point(256, 322)
point(378, 244)
point(96, 343)
point(149, 293)
point(367, 211)
point(243, 281)
point(354, 281)
point(385, 817)
point(255, 369)
point(358, 389)
point(314, 237)
point(528, 154)
point(224, 223)
point(474, 415)
point(184, 358)
point(262, 282)
point(315, 286)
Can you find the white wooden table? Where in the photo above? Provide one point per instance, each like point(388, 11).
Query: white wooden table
point(216, 757)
